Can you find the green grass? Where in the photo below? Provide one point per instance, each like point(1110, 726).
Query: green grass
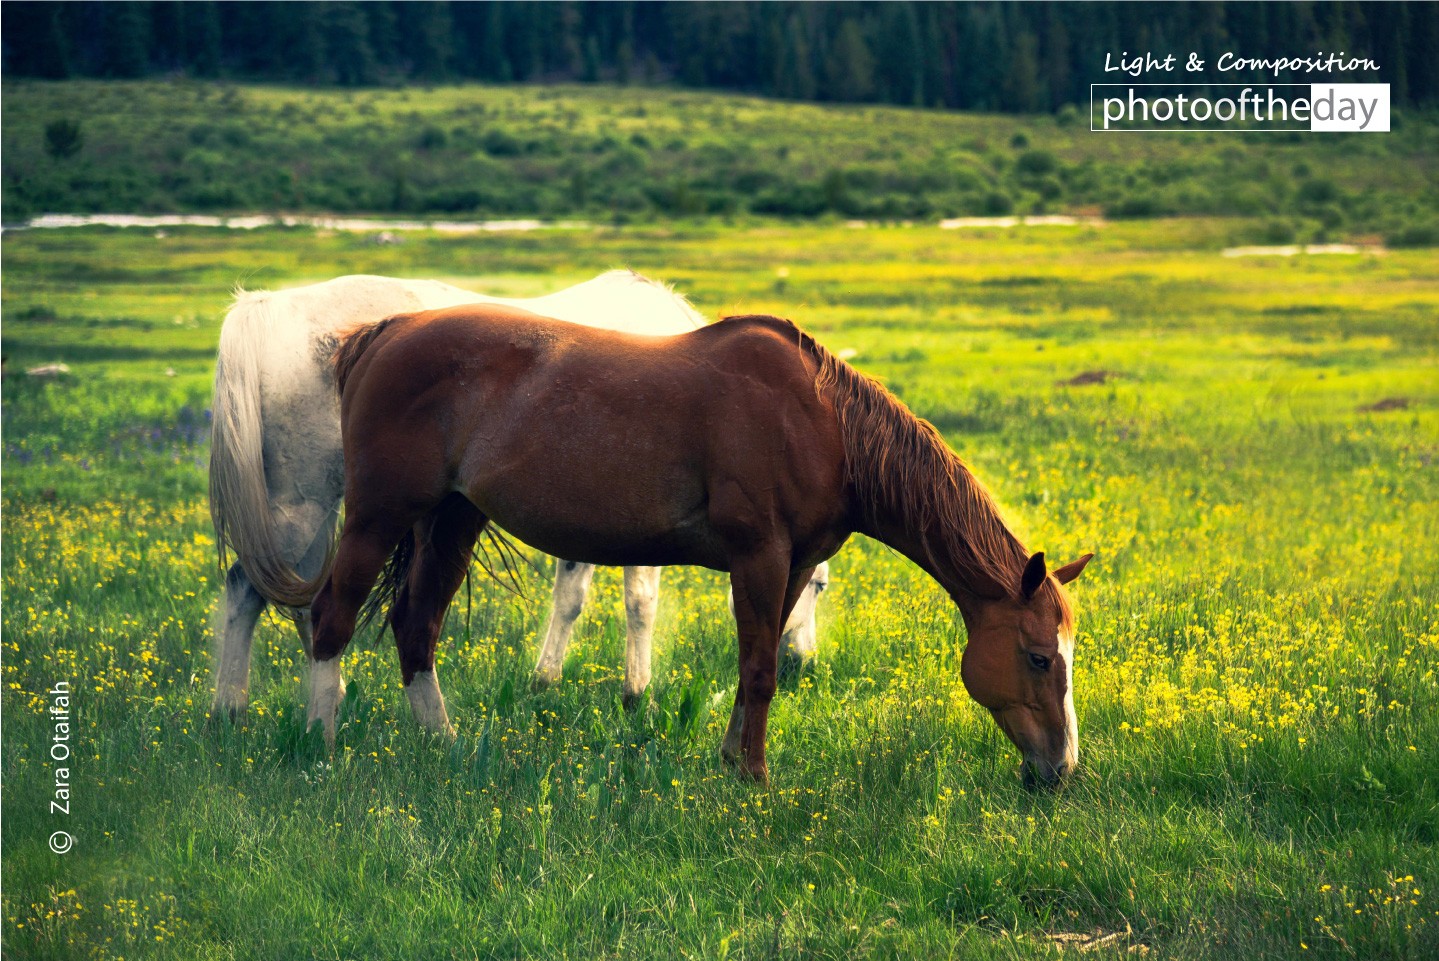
point(619, 154)
point(1256, 678)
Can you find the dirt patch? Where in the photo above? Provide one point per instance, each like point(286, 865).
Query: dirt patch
point(1388, 403)
point(1089, 378)
point(1098, 940)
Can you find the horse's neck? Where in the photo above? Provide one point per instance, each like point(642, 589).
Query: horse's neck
point(952, 557)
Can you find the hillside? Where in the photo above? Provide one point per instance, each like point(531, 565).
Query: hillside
point(625, 153)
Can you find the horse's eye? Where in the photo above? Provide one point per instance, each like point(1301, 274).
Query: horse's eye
point(1040, 662)
point(819, 586)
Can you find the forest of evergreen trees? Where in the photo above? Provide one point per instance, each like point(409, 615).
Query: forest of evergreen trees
point(1023, 57)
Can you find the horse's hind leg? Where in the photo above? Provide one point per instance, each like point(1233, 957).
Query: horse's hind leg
point(443, 542)
point(572, 582)
point(240, 608)
point(642, 595)
point(365, 545)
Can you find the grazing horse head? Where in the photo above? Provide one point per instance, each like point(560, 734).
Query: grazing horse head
point(1019, 664)
point(916, 495)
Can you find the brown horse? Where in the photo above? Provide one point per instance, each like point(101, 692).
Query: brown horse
point(744, 447)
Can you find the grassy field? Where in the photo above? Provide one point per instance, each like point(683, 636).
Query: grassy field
point(1256, 678)
point(621, 154)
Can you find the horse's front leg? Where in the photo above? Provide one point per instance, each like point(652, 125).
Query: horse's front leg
point(642, 596)
point(572, 582)
point(765, 591)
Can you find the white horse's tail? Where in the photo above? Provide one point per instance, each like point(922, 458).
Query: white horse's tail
point(239, 496)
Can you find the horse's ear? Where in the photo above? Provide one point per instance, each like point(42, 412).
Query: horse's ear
point(1071, 570)
point(1034, 575)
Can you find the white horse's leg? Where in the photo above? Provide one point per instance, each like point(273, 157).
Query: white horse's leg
point(240, 608)
point(308, 567)
point(642, 595)
point(326, 691)
point(572, 582)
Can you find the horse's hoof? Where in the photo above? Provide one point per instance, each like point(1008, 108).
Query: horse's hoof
point(759, 774)
point(632, 700)
point(540, 680)
point(225, 715)
point(329, 732)
point(229, 706)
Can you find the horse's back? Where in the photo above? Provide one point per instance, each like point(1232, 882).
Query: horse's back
point(620, 300)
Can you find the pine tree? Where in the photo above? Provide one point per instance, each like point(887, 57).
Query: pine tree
point(347, 44)
point(36, 41)
point(202, 38)
point(849, 69)
point(127, 39)
point(1021, 80)
point(428, 34)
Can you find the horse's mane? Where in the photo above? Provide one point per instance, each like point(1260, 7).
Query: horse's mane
point(901, 470)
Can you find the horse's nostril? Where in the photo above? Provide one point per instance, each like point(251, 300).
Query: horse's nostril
point(1062, 770)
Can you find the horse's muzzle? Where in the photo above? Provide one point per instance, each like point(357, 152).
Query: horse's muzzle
point(1041, 774)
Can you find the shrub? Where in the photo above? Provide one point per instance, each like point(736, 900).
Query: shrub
point(431, 138)
point(63, 138)
point(499, 142)
point(997, 204)
point(1036, 163)
point(1134, 207)
point(1277, 232)
point(1414, 235)
point(1317, 192)
point(804, 200)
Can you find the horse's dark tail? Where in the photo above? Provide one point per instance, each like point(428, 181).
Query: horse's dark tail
point(392, 578)
point(353, 347)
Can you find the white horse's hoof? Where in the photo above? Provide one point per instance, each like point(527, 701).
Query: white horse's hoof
point(229, 704)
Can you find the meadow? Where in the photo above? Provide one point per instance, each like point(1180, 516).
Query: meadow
point(1249, 445)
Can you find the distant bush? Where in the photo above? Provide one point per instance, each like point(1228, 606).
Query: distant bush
point(997, 204)
point(1136, 206)
point(1036, 163)
point(1330, 216)
point(791, 201)
point(1414, 235)
point(432, 138)
point(1316, 192)
point(1049, 188)
point(1277, 232)
point(499, 142)
point(63, 138)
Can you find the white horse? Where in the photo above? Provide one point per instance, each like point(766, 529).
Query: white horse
point(277, 471)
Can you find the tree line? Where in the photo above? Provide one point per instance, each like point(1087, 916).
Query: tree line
point(1021, 58)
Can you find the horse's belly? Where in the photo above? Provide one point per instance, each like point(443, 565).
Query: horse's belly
point(587, 532)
